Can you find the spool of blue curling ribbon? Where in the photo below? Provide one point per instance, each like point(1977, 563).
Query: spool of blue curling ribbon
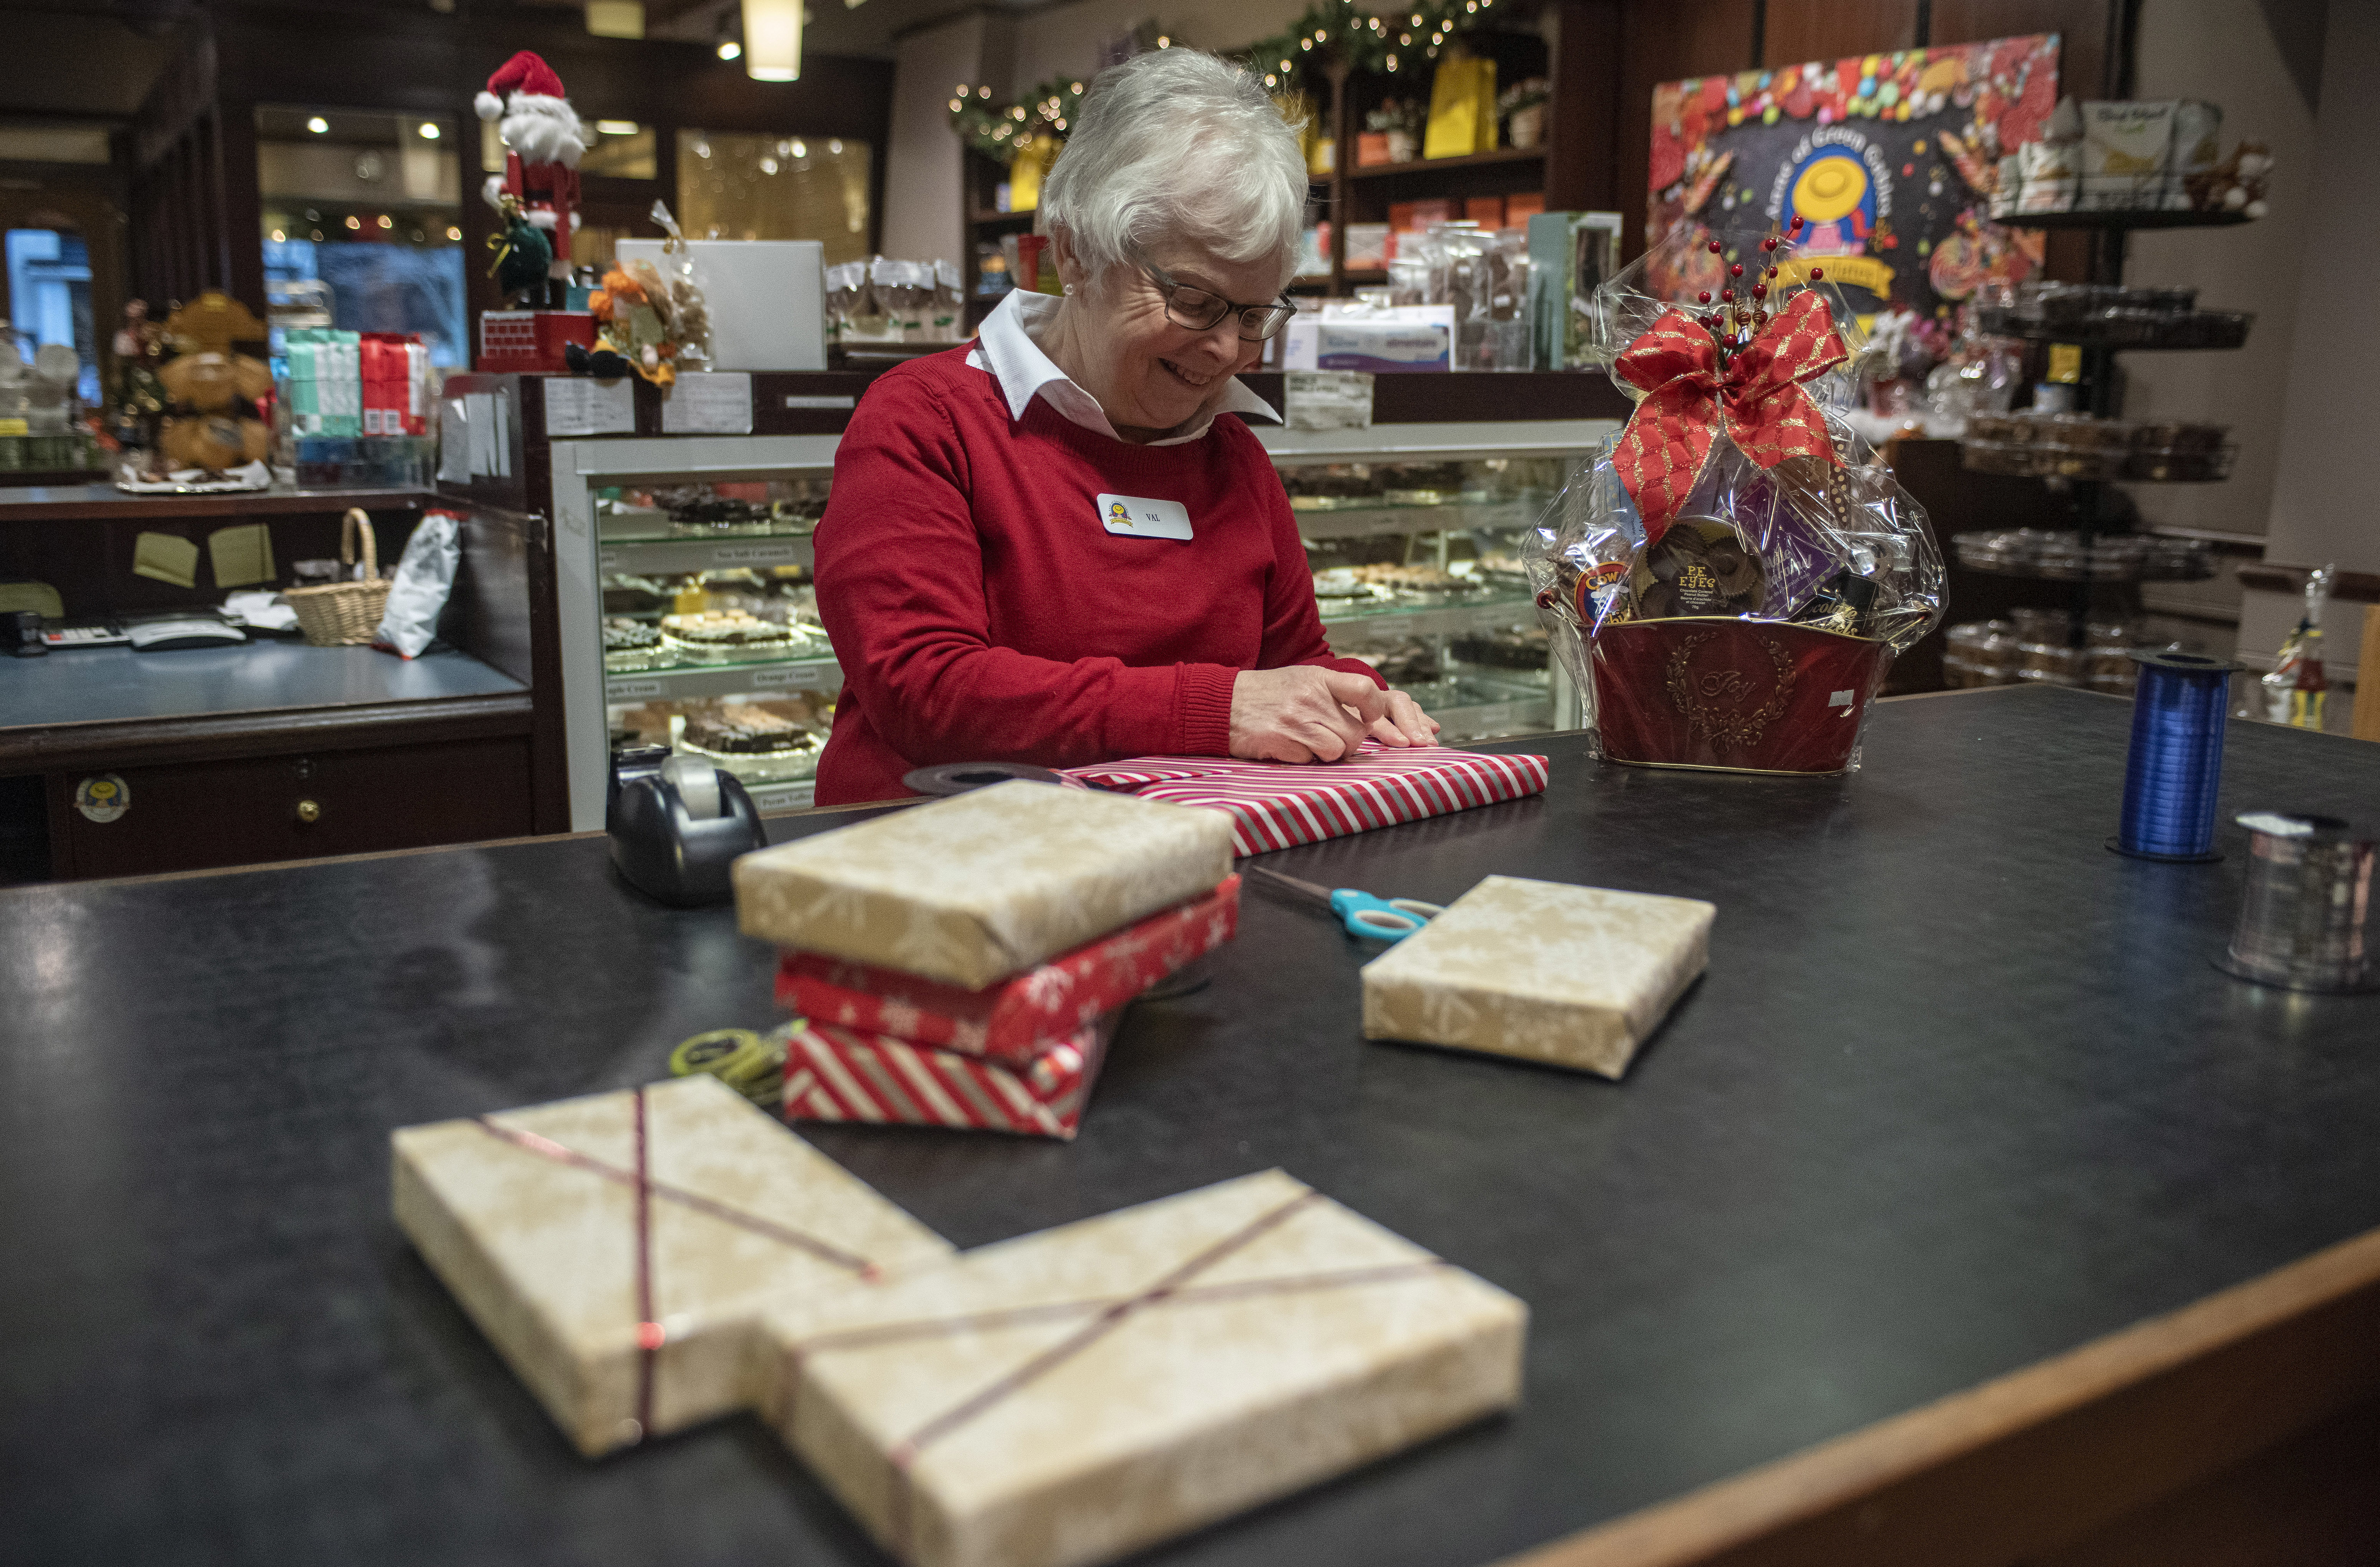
point(2176, 765)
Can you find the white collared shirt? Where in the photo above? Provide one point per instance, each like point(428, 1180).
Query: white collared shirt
point(1005, 347)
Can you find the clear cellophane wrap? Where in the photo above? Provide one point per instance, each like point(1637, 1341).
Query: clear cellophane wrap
point(1783, 544)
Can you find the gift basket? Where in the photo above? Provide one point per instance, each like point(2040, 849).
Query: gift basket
point(1730, 580)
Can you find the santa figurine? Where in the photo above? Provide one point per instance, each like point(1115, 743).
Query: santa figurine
point(544, 142)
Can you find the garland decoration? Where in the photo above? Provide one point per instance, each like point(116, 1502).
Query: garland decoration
point(1395, 42)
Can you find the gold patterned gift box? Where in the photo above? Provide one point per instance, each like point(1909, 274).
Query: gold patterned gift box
point(1072, 1396)
point(619, 1249)
point(1569, 975)
point(973, 888)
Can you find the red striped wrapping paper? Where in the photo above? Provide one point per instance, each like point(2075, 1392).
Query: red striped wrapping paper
point(1016, 1019)
point(1274, 806)
point(835, 1074)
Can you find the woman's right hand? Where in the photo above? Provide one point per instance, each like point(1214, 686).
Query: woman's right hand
point(1303, 713)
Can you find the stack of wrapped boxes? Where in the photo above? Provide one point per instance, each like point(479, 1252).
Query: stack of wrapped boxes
point(980, 999)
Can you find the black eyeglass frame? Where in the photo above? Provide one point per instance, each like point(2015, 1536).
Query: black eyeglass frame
point(1280, 311)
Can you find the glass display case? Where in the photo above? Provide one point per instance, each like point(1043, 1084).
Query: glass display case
point(687, 617)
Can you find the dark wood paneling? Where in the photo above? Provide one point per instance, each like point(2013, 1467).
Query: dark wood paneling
point(487, 614)
point(246, 811)
point(1800, 31)
point(1662, 41)
point(155, 742)
point(1582, 164)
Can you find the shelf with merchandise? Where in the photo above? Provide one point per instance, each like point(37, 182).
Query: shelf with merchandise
point(672, 556)
point(1371, 518)
point(685, 681)
point(1451, 615)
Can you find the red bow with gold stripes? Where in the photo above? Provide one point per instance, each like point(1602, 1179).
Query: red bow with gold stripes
point(1690, 396)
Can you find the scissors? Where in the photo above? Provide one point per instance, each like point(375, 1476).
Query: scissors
point(1377, 920)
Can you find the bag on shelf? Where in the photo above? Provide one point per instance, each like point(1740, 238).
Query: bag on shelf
point(1730, 580)
point(425, 576)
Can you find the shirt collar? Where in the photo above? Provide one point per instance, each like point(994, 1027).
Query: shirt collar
point(1006, 346)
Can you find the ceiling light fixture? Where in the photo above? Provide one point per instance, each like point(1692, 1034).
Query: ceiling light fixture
point(616, 128)
point(616, 19)
point(773, 40)
point(429, 130)
point(729, 49)
point(318, 126)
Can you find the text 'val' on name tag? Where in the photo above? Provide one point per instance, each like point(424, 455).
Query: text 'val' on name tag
point(1138, 518)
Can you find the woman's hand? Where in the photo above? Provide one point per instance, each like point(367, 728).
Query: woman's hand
point(1305, 713)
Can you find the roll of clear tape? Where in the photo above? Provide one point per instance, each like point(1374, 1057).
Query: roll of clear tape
point(2304, 924)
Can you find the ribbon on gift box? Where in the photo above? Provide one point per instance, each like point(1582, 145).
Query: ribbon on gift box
point(1691, 394)
point(1106, 1316)
point(651, 1334)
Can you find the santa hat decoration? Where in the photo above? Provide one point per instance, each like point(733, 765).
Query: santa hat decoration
point(523, 73)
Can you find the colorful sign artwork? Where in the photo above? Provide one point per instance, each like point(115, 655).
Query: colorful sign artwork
point(1889, 161)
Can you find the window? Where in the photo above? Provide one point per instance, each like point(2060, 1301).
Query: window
point(363, 223)
point(741, 186)
point(49, 297)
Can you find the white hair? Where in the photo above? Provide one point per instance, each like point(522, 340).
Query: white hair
point(1178, 145)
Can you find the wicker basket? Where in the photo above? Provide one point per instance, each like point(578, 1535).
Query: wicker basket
point(341, 614)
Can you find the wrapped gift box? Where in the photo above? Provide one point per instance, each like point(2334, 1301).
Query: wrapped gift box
point(1072, 1396)
point(1015, 1020)
point(628, 1306)
point(1274, 806)
point(837, 1073)
point(1569, 975)
point(971, 889)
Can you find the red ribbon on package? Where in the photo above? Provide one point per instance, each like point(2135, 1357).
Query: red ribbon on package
point(1756, 395)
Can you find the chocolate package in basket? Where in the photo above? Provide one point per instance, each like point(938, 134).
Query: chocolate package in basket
point(1730, 580)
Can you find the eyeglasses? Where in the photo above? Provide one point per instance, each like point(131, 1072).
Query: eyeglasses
point(1197, 310)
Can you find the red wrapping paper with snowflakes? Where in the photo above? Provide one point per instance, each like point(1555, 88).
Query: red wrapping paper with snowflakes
point(1275, 806)
point(1019, 1018)
point(837, 1073)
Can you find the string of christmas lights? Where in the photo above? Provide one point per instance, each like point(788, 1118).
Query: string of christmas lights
point(1394, 43)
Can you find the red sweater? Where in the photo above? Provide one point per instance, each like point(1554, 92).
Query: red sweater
point(982, 613)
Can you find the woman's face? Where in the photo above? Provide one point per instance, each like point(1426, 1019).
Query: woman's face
point(1154, 374)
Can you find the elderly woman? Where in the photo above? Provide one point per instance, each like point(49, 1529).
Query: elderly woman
point(1046, 546)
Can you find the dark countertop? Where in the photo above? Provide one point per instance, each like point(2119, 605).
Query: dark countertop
point(1961, 1091)
point(97, 503)
point(116, 684)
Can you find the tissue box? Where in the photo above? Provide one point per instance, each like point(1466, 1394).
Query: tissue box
point(835, 1074)
point(1569, 976)
point(1273, 806)
point(971, 889)
point(630, 1312)
point(1018, 1019)
point(1070, 1396)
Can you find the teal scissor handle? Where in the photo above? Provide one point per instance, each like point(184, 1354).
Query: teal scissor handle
point(1382, 919)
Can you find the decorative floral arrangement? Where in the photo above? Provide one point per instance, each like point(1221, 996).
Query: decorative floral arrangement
point(1407, 115)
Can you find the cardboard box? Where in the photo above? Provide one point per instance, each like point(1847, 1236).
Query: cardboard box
point(531, 1217)
point(1071, 1396)
point(972, 889)
point(1575, 977)
point(1487, 212)
point(2127, 154)
point(1394, 341)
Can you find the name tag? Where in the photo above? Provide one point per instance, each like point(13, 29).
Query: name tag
point(1140, 519)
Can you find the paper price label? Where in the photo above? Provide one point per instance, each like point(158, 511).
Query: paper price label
point(791, 674)
point(621, 690)
point(607, 559)
point(756, 554)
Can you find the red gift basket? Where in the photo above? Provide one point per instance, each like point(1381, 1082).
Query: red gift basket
point(1730, 580)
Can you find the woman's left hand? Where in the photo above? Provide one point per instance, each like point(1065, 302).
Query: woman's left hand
point(1406, 725)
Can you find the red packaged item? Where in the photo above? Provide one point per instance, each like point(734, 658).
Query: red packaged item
point(834, 1073)
point(531, 340)
point(1743, 695)
point(1274, 806)
point(1020, 1018)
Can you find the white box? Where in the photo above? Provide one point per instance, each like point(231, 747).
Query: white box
point(1406, 337)
point(767, 298)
